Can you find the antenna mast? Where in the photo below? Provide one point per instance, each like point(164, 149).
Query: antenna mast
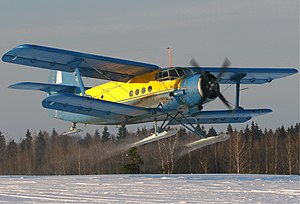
point(170, 57)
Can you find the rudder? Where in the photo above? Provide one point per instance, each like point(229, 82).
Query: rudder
point(60, 77)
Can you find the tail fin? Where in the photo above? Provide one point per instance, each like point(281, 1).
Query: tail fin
point(63, 78)
point(60, 77)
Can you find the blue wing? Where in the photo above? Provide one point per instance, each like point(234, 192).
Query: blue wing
point(90, 65)
point(248, 75)
point(92, 107)
point(225, 116)
point(131, 114)
point(46, 87)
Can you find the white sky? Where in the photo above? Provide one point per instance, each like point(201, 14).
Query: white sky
point(257, 33)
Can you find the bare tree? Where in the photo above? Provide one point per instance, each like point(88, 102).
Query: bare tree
point(166, 150)
point(239, 152)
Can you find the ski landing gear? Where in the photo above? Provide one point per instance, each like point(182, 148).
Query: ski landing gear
point(73, 130)
point(158, 134)
point(206, 141)
point(161, 133)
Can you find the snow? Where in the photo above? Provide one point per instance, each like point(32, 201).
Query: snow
point(141, 188)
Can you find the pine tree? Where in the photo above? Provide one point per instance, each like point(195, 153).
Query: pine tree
point(281, 132)
point(96, 137)
point(40, 146)
point(54, 137)
point(105, 135)
point(145, 132)
point(2, 152)
point(86, 141)
point(28, 141)
point(212, 132)
point(256, 132)
point(2, 144)
point(122, 133)
point(27, 154)
point(134, 166)
point(12, 150)
point(229, 130)
point(247, 133)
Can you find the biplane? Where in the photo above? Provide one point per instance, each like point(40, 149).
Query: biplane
point(139, 92)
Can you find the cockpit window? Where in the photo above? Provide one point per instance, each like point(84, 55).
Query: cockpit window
point(165, 74)
point(173, 74)
point(180, 72)
point(170, 74)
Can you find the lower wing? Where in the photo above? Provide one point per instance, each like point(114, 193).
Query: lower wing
point(224, 116)
point(94, 107)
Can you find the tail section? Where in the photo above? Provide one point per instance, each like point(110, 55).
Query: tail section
point(61, 78)
point(64, 78)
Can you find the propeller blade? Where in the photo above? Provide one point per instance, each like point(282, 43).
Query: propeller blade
point(194, 63)
point(224, 100)
point(225, 64)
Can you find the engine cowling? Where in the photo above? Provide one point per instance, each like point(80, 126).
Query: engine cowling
point(192, 90)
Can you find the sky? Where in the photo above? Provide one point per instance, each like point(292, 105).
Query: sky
point(257, 33)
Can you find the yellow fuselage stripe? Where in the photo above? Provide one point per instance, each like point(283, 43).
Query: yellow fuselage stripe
point(135, 89)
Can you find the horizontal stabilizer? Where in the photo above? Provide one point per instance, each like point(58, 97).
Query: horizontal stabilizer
point(45, 87)
point(206, 141)
point(155, 137)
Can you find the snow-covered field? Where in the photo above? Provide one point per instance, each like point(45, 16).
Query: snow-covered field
point(200, 188)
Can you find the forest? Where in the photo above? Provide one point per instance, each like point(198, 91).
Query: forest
point(248, 151)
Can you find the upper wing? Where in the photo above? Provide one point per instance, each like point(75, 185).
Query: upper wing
point(248, 75)
point(90, 65)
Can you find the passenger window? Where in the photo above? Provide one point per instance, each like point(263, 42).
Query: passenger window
point(143, 90)
point(137, 92)
point(131, 93)
point(149, 88)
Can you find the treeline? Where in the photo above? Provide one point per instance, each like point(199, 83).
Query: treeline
point(250, 150)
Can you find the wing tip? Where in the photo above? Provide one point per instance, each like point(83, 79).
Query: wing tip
point(294, 70)
point(18, 85)
point(8, 57)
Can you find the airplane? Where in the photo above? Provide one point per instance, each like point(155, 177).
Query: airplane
point(138, 92)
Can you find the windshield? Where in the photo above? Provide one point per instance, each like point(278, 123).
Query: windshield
point(171, 74)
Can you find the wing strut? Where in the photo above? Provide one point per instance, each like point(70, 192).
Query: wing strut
point(237, 95)
point(237, 79)
point(74, 65)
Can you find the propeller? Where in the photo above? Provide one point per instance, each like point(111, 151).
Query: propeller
point(212, 84)
point(194, 63)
